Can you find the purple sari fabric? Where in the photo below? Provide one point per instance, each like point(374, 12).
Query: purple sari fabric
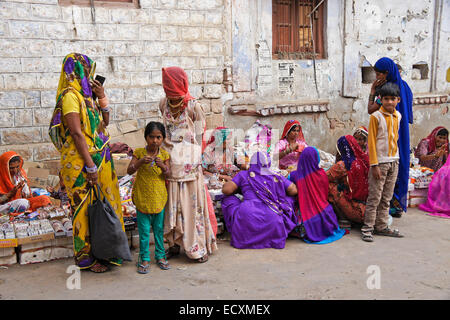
point(438, 203)
point(265, 217)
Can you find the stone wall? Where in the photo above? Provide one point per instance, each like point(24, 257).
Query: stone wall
point(129, 45)
point(358, 33)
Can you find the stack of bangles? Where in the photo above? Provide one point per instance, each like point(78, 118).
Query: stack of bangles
point(91, 170)
point(104, 104)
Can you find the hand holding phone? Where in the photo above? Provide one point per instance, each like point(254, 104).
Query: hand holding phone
point(97, 87)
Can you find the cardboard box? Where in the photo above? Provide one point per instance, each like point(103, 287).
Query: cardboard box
point(121, 166)
point(38, 238)
point(38, 177)
point(135, 139)
point(7, 261)
point(128, 126)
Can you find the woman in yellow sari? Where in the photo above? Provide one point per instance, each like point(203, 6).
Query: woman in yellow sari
point(78, 131)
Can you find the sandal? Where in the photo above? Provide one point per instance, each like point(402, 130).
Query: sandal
point(367, 236)
point(172, 252)
point(203, 259)
point(142, 268)
point(163, 264)
point(99, 268)
point(389, 233)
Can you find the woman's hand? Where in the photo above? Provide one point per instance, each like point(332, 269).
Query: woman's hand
point(226, 177)
point(50, 189)
point(92, 178)
point(97, 88)
point(293, 146)
point(377, 83)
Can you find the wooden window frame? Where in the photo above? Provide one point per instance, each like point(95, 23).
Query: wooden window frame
point(295, 52)
point(132, 4)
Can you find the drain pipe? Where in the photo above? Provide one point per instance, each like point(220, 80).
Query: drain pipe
point(435, 49)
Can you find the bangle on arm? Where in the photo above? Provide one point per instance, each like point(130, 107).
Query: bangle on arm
point(91, 169)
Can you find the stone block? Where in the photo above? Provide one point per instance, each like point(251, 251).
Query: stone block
point(209, 63)
point(115, 95)
point(46, 12)
point(148, 3)
point(168, 4)
point(197, 18)
point(216, 105)
point(127, 32)
point(48, 98)
point(150, 32)
point(154, 93)
point(32, 99)
point(124, 112)
point(178, 17)
point(120, 79)
point(169, 33)
point(6, 118)
point(47, 81)
point(214, 120)
point(62, 48)
point(196, 91)
point(214, 18)
point(11, 99)
point(119, 15)
point(107, 32)
point(141, 79)
point(43, 116)
point(216, 48)
point(206, 105)
point(59, 30)
point(198, 49)
point(214, 76)
point(213, 91)
point(126, 63)
point(133, 95)
point(21, 135)
point(187, 62)
point(198, 76)
point(161, 17)
point(41, 48)
point(10, 65)
point(45, 151)
point(41, 65)
point(191, 33)
point(26, 29)
point(141, 16)
point(23, 150)
point(24, 117)
point(157, 77)
point(13, 48)
point(155, 48)
point(147, 110)
point(4, 29)
point(212, 34)
point(102, 15)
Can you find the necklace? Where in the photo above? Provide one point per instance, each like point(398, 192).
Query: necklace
point(175, 105)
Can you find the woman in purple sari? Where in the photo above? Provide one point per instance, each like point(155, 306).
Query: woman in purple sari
point(266, 216)
point(317, 221)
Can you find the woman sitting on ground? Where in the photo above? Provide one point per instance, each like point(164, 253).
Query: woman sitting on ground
point(265, 217)
point(317, 221)
point(218, 158)
point(432, 151)
point(15, 194)
point(349, 182)
point(290, 146)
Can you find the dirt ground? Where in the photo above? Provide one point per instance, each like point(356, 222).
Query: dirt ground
point(414, 267)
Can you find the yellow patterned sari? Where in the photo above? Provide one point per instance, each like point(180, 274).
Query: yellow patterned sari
point(76, 71)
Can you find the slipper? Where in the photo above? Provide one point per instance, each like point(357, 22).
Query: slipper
point(367, 236)
point(202, 259)
point(389, 233)
point(143, 269)
point(163, 264)
point(99, 268)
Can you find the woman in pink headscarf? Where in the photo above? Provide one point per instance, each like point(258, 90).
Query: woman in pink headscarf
point(188, 221)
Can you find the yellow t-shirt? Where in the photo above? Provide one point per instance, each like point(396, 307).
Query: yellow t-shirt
point(149, 190)
point(70, 104)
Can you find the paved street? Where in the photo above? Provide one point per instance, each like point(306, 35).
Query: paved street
point(414, 267)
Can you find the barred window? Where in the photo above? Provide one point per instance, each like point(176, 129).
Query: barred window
point(291, 27)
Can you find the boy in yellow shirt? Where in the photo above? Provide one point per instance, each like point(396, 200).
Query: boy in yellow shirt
point(384, 159)
point(149, 194)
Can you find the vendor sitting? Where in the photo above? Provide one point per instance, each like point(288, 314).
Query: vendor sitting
point(15, 194)
point(218, 158)
point(290, 146)
point(432, 151)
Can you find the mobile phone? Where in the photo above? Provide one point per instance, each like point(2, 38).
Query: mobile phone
point(100, 79)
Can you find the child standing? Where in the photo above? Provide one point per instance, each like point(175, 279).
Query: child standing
point(149, 194)
point(384, 158)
